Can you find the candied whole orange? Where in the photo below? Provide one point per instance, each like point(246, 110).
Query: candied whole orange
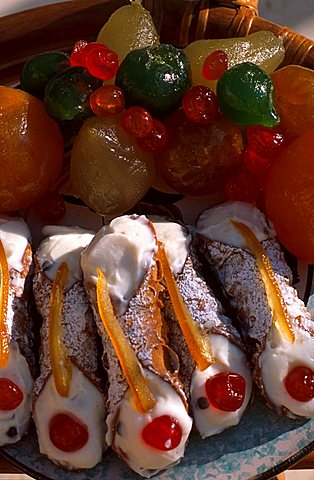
point(31, 149)
point(199, 159)
point(289, 197)
point(294, 98)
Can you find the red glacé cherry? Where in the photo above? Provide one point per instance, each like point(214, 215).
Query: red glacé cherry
point(163, 433)
point(77, 57)
point(266, 142)
point(156, 140)
point(226, 391)
point(215, 64)
point(200, 104)
point(67, 433)
point(101, 62)
point(107, 100)
point(11, 396)
point(137, 122)
point(299, 383)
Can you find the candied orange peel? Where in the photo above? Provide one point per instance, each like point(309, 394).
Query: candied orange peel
point(60, 362)
point(4, 295)
point(144, 400)
point(280, 316)
point(197, 340)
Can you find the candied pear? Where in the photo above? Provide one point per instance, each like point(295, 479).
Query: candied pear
point(262, 48)
point(109, 172)
point(130, 27)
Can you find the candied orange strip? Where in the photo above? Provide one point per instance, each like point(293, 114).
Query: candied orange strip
point(197, 340)
point(275, 299)
point(60, 362)
point(4, 295)
point(144, 400)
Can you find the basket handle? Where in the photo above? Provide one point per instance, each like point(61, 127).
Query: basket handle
point(223, 19)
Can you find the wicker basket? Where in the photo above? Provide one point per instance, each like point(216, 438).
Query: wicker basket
point(179, 22)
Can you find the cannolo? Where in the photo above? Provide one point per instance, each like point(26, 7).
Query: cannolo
point(148, 423)
point(69, 400)
point(220, 390)
point(17, 361)
point(240, 246)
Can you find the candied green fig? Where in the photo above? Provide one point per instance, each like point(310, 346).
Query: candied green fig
point(67, 94)
point(155, 78)
point(245, 96)
point(37, 71)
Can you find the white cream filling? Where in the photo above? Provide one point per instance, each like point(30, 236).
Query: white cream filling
point(63, 244)
point(228, 358)
point(278, 358)
point(176, 240)
point(15, 235)
point(16, 370)
point(141, 457)
point(124, 251)
point(84, 402)
point(215, 224)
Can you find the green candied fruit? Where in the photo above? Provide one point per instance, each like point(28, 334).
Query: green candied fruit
point(245, 96)
point(37, 71)
point(67, 94)
point(155, 78)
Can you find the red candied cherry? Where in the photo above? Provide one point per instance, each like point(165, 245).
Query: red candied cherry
point(107, 100)
point(258, 166)
point(101, 62)
point(67, 433)
point(50, 208)
point(137, 122)
point(11, 395)
point(76, 57)
point(266, 142)
point(163, 433)
point(299, 383)
point(215, 64)
point(226, 391)
point(242, 187)
point(156, 140)
point(200, 104)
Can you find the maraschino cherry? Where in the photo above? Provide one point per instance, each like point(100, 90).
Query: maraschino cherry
point(67, 432)
point(226, 391)
point(163, 433)
point(11, 395)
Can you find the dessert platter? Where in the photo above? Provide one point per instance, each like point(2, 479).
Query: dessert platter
point(156, 241)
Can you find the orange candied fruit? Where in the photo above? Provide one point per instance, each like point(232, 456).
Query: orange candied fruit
point(31, 153)
point(289, 197)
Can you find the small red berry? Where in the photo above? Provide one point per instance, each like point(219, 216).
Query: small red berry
point(107, 100)
point(215, 64)
point(200, 104)
point(76, 57)
point(259, 167)
point(163, 433)
point(156, 140)
point(101, 62)
point(299, 383)
point(267, 142)
point(226, 391)
point(137, 122)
